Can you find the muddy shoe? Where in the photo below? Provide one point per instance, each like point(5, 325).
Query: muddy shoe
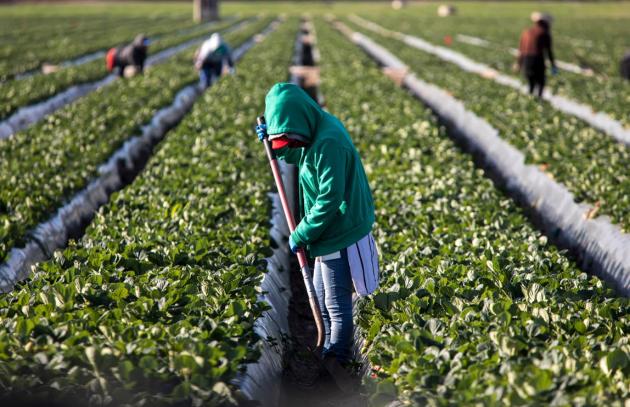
point(342, 377)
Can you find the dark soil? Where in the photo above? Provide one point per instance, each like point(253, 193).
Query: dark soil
point(305, 383)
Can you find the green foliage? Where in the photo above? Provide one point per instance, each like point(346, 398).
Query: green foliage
point(42, 167)
point(39, 35)
point(591, 164)
point(475, 307)
point(156, 304)
point(27, 91)
point(580, 37)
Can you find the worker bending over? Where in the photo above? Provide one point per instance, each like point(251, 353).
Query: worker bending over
point(535, 44)
point(132, 55)
point(335, 205)
point(211, 58)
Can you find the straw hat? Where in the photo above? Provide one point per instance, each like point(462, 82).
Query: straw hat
point(538, 16)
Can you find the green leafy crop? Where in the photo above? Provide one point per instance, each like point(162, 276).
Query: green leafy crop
point(579, 36)
point(27, 91)
point(591, 164)
point(44, 166)
point(156, 304)
point(475, 306)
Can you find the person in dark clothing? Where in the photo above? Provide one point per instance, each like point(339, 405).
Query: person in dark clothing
point(534, 46)
point(133, 54)
point(625, 66)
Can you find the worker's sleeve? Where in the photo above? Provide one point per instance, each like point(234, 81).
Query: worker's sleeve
point(331, 176)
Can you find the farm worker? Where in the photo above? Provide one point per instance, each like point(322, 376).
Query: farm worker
point(534, 46)
point(625, 66)
point(133, 55)
point(335, 204)
point(211, 58)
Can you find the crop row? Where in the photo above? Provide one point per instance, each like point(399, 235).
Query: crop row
point(591, 35)
point(44, 166)
point(24, 92)
point(31, 53)
point(589, 163)
point(610, 94)
point(156, 303)
point(475, 306)
point(53, 40)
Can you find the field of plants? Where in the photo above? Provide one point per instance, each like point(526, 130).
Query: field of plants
point(477, 306)
point(598, 44)
point(159, 301)
point(590, 163)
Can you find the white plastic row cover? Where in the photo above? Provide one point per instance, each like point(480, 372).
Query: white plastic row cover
point(54, 233)
point(29, 115)
point(598, 120)
point(600, 245)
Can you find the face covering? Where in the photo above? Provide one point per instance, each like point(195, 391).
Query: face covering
point(288, 140)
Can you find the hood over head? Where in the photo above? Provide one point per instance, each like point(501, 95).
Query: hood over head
point(215, 41)
point(288, 109)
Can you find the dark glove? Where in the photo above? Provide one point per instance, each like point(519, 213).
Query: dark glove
point(294, 247)
point(261, 131)
point(554, 70)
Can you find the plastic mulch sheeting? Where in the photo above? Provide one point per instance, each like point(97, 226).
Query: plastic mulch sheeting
point(262, 380)
point(28, 115)
point(118, 171)
point(599, 245)
point(598, 120)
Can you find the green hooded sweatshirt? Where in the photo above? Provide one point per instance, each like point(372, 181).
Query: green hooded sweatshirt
point(335, 198)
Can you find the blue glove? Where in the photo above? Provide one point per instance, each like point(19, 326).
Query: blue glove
point(554, 70)
point(261, 131)
point(294, 247)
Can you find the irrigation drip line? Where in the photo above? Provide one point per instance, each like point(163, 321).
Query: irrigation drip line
point(26, 116)
point(117, 172)
point(598, 120)
point(598, 245)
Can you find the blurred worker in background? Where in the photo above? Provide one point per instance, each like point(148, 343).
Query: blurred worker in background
point(132, 55)
point(625, 66)
point(336, 206)
point(211, 58)
point(534, 46)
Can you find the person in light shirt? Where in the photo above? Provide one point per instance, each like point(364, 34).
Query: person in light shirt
point(211, 58)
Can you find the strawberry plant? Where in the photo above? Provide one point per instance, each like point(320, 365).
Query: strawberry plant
point(33, 89)
point(589, 163)
point(606, 91)
point(33, 36)
point(475, 306)
point(47, 164)
point(156, 304)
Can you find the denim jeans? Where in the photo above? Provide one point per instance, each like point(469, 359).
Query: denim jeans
point(333, 285)
point(209, 73)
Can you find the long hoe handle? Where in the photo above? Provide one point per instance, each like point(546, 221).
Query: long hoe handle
point(306, 273)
